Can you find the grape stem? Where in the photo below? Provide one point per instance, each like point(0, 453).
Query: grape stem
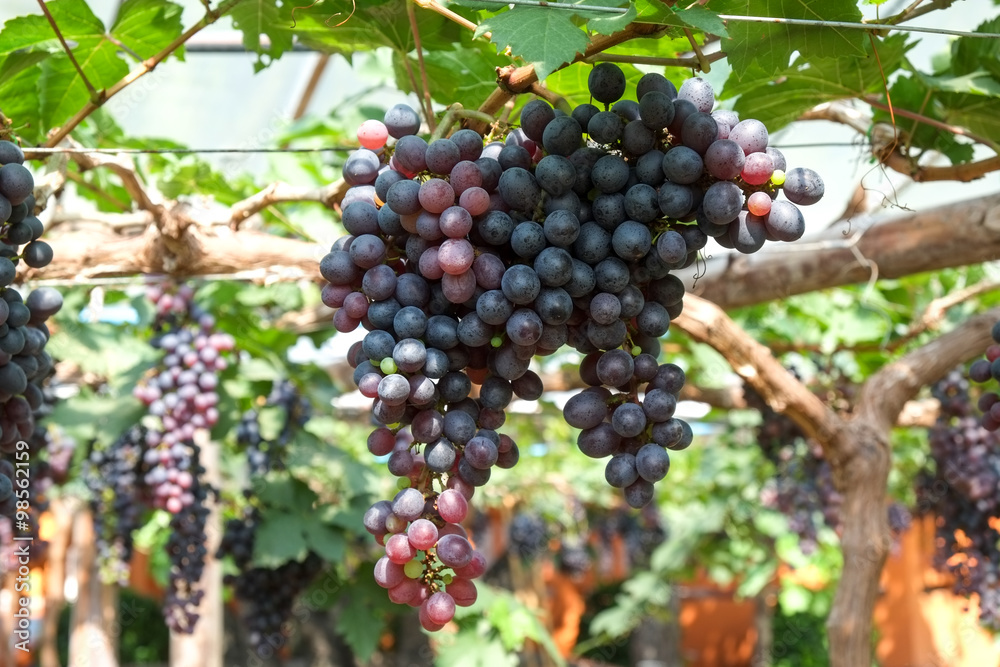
point(94, 95)
point(425, 85)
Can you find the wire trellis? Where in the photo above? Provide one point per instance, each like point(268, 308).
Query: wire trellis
point(849, 25)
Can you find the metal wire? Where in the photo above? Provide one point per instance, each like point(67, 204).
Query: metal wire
point(757, 19)
point(154, 151)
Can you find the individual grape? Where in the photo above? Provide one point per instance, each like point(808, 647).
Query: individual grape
point(637, 139)
point(621, 471)
point(699, 131)
point(784, 221)
point(724, 159)
point(442, 156)
point(722, 203)
point(759, 203)
point(610, 173)
point(631, 240)
point(527, 240)
point(470, 144)
point(777, 158)
point(513, 155)
point(757, 169)
point(455, 255)
point(555, 174)
point(803, 186)
point(628, 420)
point(598, 441)
point(401, 120)
point(16, 182)
point(37, 254)
point(524, 327)
point(657, 109)
point(605, 308)
point(411, 153)
point(652, 462)
point(605, 127)
point(361, 167)
point(699, 92)
point(615, 367)
point(561, 228)
point(642, 204)
point(671, 247)
point(562, 136)
point(372, 134)
point(639, 493)
point(520, 284)
point(606, 82)
point(655, 81)
point(519, 189)
point(751, 135)
point(583, 113)
point(535, 116)
point(10, 152)
point(675, 200)
point(682, 165)
point(585, 410)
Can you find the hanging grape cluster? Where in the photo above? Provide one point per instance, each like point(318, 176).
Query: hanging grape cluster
point(963, 491)
point(465, 260)
point(182, 395)
point(181, 398)
point(985, 370)
point(802, 486)
point(118, 500)
point(266, 594)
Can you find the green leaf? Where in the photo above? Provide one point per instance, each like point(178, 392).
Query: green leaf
point(324, 540)
point(541, 36)
point(16, 63)
point(75, 19)
point(974, 54)
point(262, 17)
point(62, 91)
point(695, 16)
point(363, 618)
point(770, 45)
point(778, 101)
point(469, 649)
point(280, 537)
point(88, 415)
point(103, 349)
point(465, 74)
point(286, 493)
point(149, 26)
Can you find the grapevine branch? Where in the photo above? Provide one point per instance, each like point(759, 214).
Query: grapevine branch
point(145, 68)
point(885, 150)
point(279, 192)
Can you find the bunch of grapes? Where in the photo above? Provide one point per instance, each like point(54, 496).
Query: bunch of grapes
point(118, 500)
point(802, 486)
point(984, 370)
point(964, 493)
point(187, 551)
point(182, 394)
point(465, 260)
point(266, 594)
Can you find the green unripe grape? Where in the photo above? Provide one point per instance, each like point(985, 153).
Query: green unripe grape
point(413, 569)
point(778, 177)
point(388, 366)
point(448, 578)
point(496, 341)
point(403, 483)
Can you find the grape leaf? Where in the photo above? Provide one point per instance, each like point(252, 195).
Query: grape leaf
point(326, 27)
point(363, 618)
point(465, 74)
point(605, 23)
point(255, 18)
point(326, 541)
point(74, 18)
point(771, 45)
point(149, 26)
point(808, 83)
point(696, 16)
point(469, 649)
point(912, 93)
point(279, 538)
point(541, 36)
point(62, 91)
point(972, 54)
